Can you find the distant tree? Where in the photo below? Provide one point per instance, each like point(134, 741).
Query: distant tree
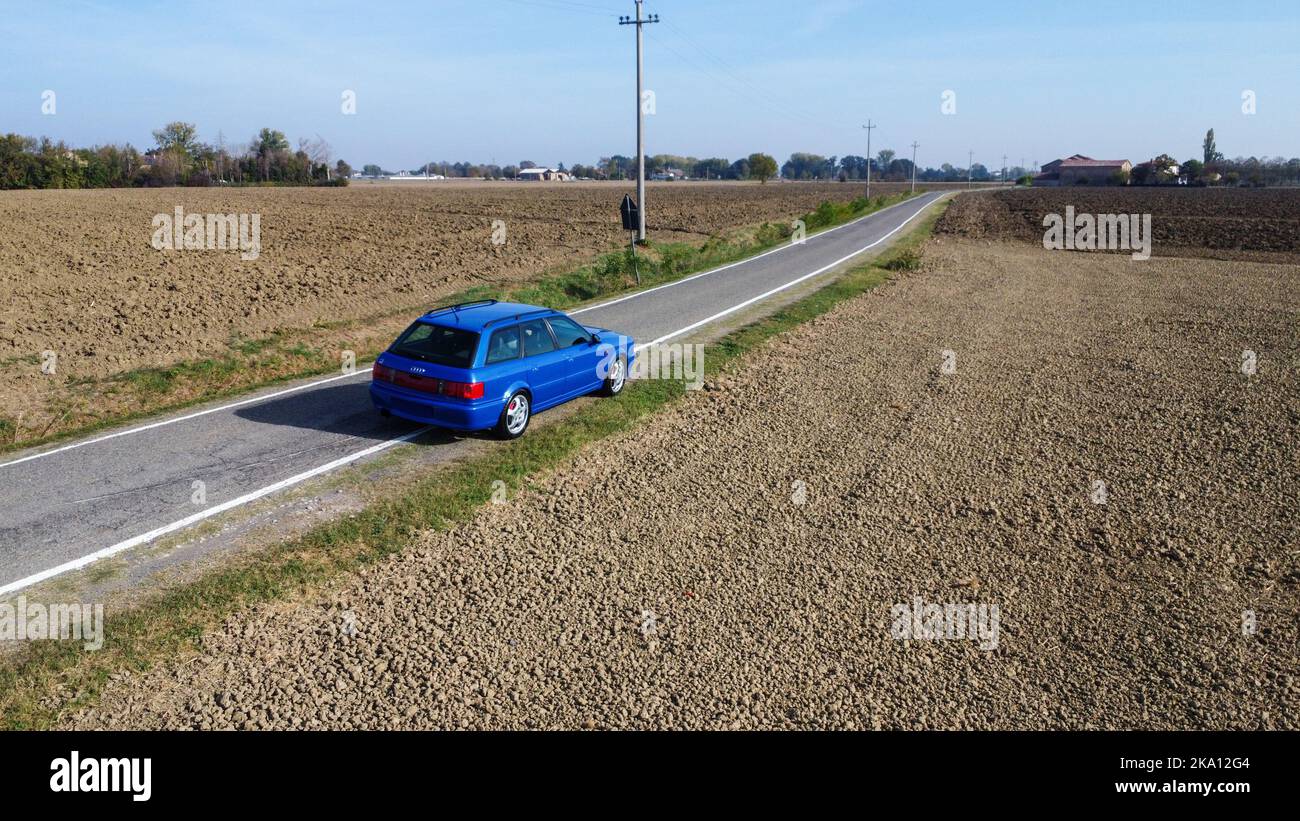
point(884, 157)
point(714, 168)
point(372, 170)
point(853, 167)
point(526, 164)
point(739, 169)
point(269, 141)
point(899, 170)
point(1164, 166)
point(177, 136)
point(1210, 150)
point(1193, 169)
point(761, 166)
point(802, 166)
point(342, 169)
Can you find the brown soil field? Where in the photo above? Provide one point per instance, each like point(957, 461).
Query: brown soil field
point(1224, 223)
point(755, 585)
point(79, 276)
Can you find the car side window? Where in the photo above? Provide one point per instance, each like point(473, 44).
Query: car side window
point(537, 339)
point(504, 345)
point(567, 331)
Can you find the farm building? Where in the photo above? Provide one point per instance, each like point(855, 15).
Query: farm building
point(1081, 170)
point(540, 174)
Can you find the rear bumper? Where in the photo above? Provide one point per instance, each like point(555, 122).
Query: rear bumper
point(430, 410)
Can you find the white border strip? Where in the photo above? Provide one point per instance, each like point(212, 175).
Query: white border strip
point(174, 420)
point(77, 564)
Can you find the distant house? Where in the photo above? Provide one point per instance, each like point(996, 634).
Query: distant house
point(1153, 173)
point(544, 174)
point(1081, 170)
point(669, 174)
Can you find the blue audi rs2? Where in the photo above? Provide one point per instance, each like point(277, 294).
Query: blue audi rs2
point(491, 365)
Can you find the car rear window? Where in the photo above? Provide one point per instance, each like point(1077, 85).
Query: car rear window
point(438, 344)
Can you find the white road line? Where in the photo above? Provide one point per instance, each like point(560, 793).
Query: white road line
point(685, 280)
point(144, 538)
point(789, 284)
point(249, 401)
point(179, 524)
point(173, 421)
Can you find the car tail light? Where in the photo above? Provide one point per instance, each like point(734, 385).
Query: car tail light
point(429, 384)
point(382, 373)
point(463, 390)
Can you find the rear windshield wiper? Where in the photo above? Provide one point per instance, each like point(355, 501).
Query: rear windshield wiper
point(414, 354)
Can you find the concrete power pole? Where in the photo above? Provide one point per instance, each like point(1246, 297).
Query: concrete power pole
point(868, 127)
point(970, 162)
point(914, 147)
point(639, 22)
point(1004, 169)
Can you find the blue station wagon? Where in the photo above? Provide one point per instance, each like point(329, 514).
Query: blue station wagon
point(491, 365)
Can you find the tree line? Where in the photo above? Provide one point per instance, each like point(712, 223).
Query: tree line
point(1213, 168)
point(178, 157)
point(885, 166)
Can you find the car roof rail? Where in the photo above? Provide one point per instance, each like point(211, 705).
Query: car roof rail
point(521, 315)
point(459, 305)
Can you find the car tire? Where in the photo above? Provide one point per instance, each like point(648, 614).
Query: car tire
point(617, 378)
point(515, 416)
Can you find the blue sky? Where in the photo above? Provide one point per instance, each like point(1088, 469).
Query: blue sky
point(552, 80)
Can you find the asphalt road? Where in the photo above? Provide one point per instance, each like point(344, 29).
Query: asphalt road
point(68, 506)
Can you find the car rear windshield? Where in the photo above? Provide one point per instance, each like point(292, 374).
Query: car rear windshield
point(437, 344)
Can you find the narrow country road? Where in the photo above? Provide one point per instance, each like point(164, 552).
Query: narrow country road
point(70, 505)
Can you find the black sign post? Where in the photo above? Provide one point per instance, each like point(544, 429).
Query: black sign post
point(631, 219)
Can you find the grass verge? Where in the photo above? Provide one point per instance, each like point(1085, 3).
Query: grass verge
point(47, 680)
point(82, 406)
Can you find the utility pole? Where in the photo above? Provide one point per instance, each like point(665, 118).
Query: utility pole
point(1004, 169)
point(868, 127)
point(914, 147)
point(639, 22)
point(970, 162)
